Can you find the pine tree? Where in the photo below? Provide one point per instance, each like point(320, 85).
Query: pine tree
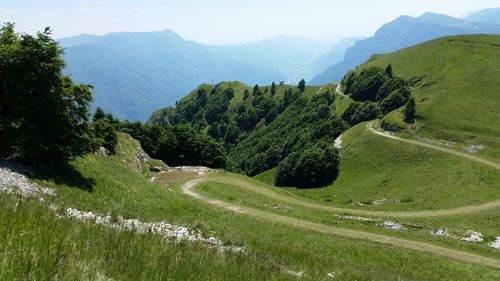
point(273, 89)
point(388, 71)
point(409, 111)
point(302, 85)
point(99, 114)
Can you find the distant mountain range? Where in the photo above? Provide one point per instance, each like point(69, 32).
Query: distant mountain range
point(135, 73)
point(290, 56)
point(407, 31)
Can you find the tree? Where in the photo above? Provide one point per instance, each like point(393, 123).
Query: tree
point(388, 70)
point(273, 89)
point(246, 94)
point(43, 114)
point(409, 111)
point(256, 90)
point(99, 114)
point(302, 85)
point(314, 167)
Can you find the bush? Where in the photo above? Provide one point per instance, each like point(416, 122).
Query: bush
point(313, 167)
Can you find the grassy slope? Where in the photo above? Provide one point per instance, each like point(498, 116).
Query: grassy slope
point(457, 96)
point(373, 167)
point(118, 189)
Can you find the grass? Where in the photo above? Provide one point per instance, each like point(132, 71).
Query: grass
point(273, 249)
point(36, 245)
point(373, 167)
point(225, 187)
point(456, 88)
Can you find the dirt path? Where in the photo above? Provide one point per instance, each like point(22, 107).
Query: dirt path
point(258, 188)
point(188, 188)
point(435, 147)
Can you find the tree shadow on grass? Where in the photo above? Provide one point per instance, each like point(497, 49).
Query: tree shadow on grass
point(66, 175)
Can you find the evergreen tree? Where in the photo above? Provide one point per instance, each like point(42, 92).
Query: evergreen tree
point(273, 89)
point(409, 111)
point(388, 70)
point(302, 85)
point(246, 94)
point(99, 114)
point(256, 90)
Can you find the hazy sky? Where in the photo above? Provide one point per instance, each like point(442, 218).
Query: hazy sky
point(224, 21)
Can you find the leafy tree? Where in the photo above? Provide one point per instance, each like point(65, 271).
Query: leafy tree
point(395, 100)
point(178, 145)
point(103, 133)
point(409, 111)
point(302, 85)
point(313, 167)
point(273, 89)
point(366, 85)
point(358, 112)
point(43, 114)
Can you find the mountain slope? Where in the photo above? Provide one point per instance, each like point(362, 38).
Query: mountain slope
point(334, 56)
point(403, 32)
point(288, 55)
point(455, 82)
point(486, 15)
point(136, 73)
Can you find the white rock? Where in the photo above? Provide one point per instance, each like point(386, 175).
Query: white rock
point(473, 237)
point(495, 244)
point(440, 232)
point(392, 225)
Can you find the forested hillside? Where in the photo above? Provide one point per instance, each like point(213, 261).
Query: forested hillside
point(289, 127)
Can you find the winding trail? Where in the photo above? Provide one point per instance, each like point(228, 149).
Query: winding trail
point(259, 188)
point(189, 189)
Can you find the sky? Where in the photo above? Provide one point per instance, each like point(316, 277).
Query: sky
point(225, 21)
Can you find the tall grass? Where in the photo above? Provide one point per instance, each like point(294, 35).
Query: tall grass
point(37, 245)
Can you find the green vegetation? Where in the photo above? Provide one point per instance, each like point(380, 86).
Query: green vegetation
point(377, 92)
point(455, 85)
point(272, 252)
point(373, 167)
point(178, 145)
point(43, 114)
point(261, 128)
point(312, 167)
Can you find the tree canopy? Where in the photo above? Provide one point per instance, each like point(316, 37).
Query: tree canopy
point(43, 114)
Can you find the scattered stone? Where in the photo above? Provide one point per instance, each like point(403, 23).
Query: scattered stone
point(331, 274)
point(200, 170)
point(348, 217)
point(13, 180)
point(101, 152)
point(495, 244)
point(473, 237)
point(152, 179)
point(392, 225)
point(338, 142)
point(473, 148)
point(441, 231)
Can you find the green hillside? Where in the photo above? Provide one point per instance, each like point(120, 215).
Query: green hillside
point(43, 246)
point(455, 82)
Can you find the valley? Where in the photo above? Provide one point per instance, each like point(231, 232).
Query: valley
point(147, 156)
